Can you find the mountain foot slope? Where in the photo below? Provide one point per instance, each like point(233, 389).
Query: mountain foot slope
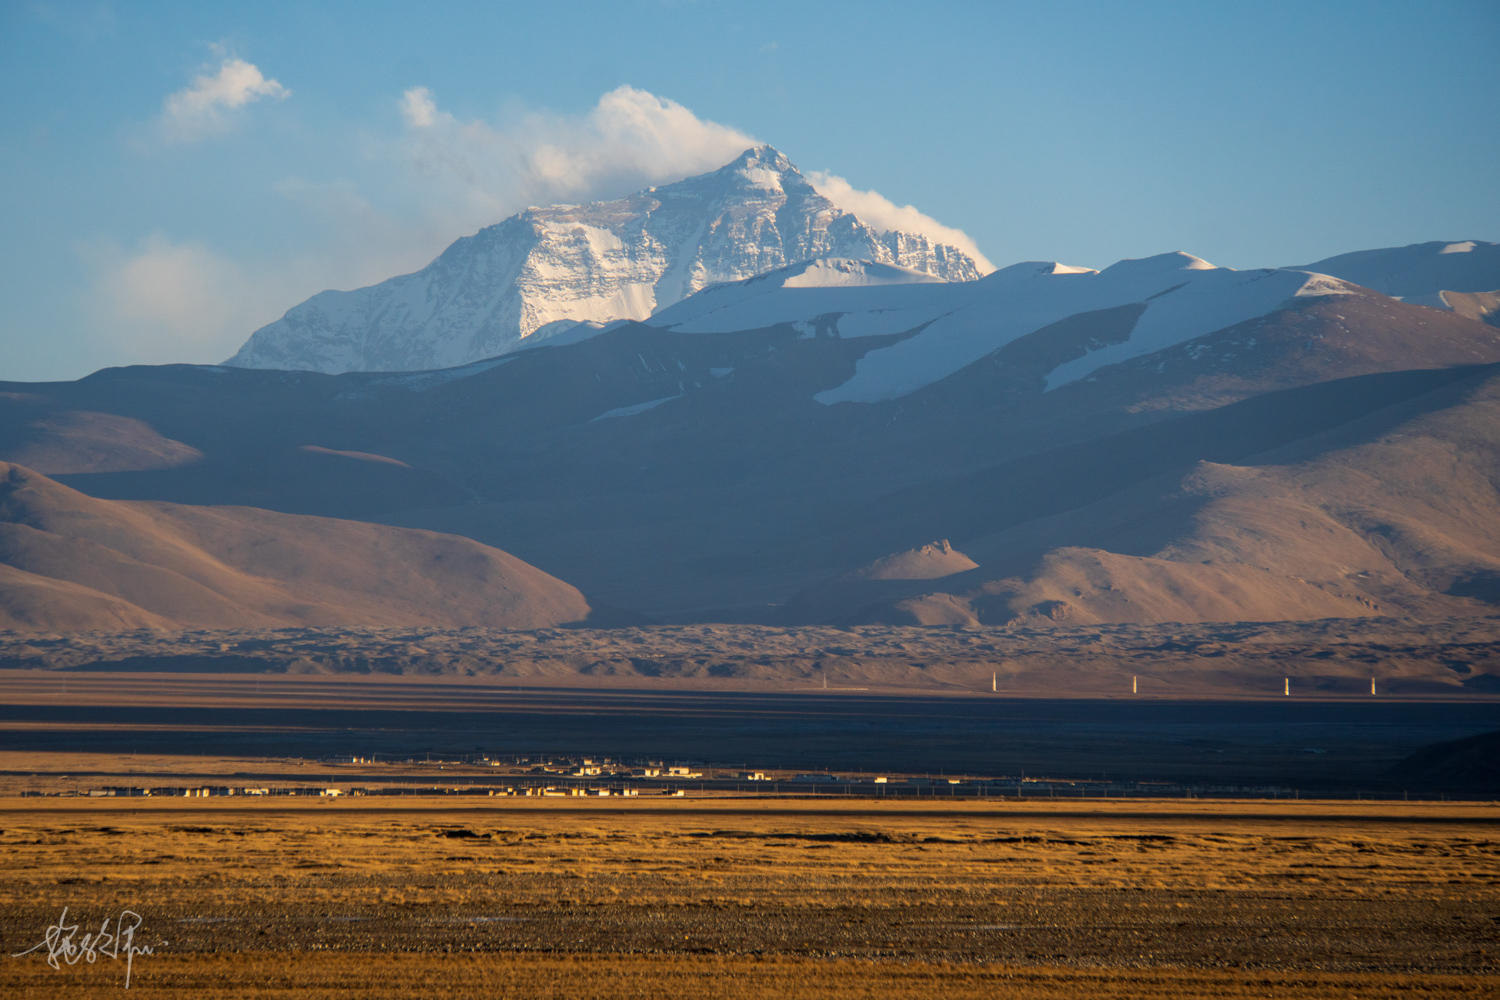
point(1396, 511)
point(1328, 657)
point(69, 561)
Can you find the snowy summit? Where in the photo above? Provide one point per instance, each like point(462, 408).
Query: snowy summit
point(544, 270)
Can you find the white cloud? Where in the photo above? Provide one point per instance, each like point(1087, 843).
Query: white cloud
point(885, 215)
point(418, 107)
point(169, 300)
point(629, 140)
point(199, 110)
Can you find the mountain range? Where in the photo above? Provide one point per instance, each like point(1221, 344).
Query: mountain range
point(1331, 456)
point(842, 438)
point(540, 273)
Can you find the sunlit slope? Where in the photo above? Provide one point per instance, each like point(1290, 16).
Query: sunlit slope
point(69, 561)
point(1393, 512)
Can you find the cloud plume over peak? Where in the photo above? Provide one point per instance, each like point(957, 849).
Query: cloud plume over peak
point(883, 214)
point(629, 140)
point(198, 110)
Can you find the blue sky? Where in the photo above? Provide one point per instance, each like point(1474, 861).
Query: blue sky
point(178, 174)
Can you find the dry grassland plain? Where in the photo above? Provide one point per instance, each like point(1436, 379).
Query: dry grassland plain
point(736, 897)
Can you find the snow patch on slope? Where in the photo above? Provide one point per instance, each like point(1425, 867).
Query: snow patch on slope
point(1419, 269)
point(850, 298)
point(630, 411)
point(1219, 298)
point(1186, 297)
point(841, 272)
point(957, 323)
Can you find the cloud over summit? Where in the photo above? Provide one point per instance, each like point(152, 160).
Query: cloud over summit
point(881, 213)
point(631, 139)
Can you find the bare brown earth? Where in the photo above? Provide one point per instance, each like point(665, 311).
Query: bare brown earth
point(722, 505)
point(70, 561)
point(1457, 657)
point(726, 897)
point(1395, 513)
point(1483, 306)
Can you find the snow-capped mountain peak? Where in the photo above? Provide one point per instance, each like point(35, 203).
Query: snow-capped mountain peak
point(1162, 263)
point(487, 294)
point(842, 272)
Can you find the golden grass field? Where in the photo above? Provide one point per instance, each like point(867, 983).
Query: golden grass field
point(730, 897)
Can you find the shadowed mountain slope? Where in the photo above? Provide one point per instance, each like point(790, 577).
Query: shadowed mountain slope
point(1348, 509)
point(698, 476)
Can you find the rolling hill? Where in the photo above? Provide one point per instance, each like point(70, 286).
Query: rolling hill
point(73, 562)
